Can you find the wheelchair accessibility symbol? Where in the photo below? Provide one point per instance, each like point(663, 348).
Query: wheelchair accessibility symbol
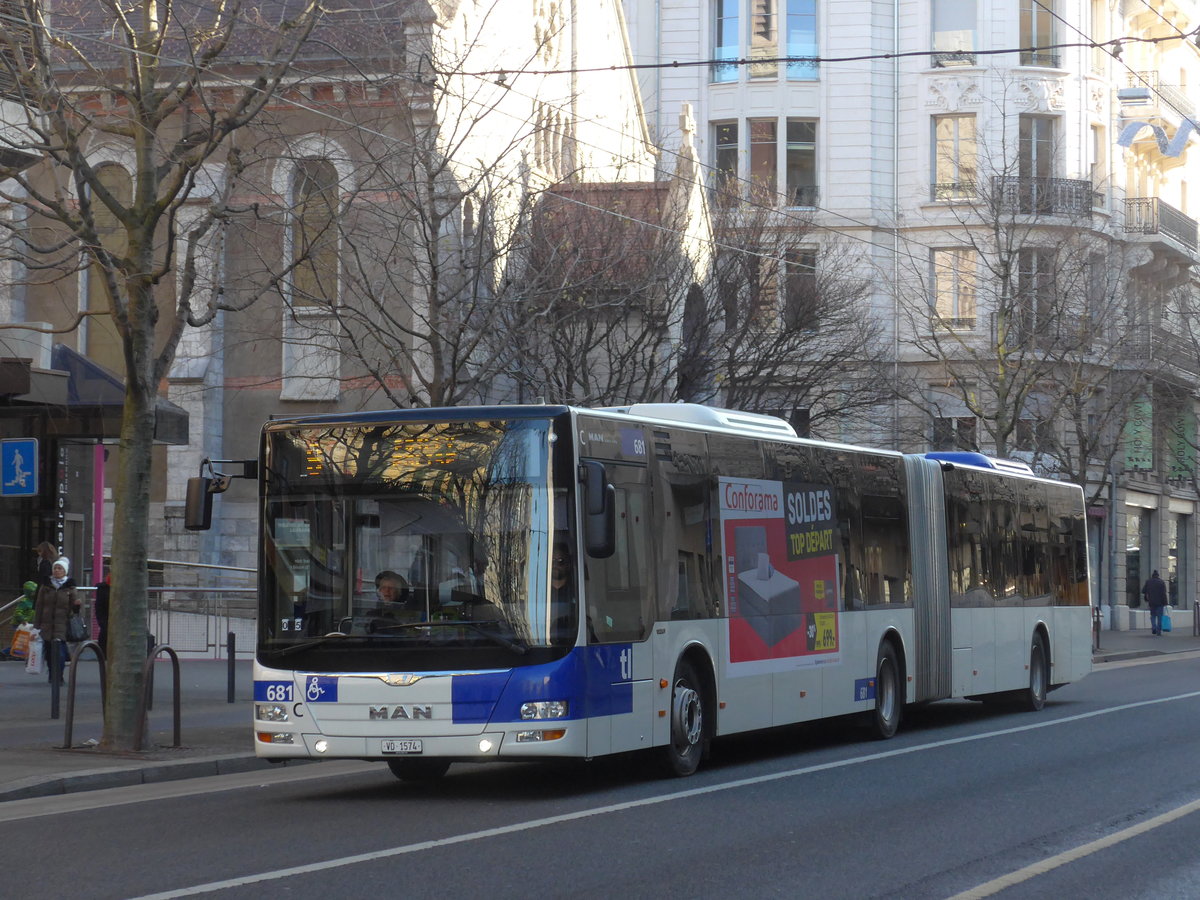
point(320, 689)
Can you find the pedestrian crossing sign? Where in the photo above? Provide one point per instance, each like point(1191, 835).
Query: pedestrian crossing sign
point(19, 468)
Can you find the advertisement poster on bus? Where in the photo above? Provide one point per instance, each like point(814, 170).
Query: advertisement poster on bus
point(781, 582)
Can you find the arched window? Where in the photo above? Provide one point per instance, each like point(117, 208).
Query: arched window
point(311, 353)
point(314, 234)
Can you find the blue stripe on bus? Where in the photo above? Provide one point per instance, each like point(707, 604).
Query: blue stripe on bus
point(474, 696)
point(590, 678)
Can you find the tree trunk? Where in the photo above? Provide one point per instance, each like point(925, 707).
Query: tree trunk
point(128, 604)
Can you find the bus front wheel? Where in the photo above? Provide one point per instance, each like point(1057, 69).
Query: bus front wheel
point(885, 720)
point(682, 755)
point(1034, 698)
point(419, 769)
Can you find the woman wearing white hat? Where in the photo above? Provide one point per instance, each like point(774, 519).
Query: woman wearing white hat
point(56, 603)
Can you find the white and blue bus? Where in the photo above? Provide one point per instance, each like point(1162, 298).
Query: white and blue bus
point(531, 582)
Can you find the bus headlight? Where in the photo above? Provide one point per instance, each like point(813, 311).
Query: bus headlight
point(544, 709)
point(270, 712)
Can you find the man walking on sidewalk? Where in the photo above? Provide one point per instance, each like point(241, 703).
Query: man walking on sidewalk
point(1155, 592)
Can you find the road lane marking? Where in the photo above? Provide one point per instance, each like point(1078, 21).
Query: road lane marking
point(644, 802)
point(996, 885)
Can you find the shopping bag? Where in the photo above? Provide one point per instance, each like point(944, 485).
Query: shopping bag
point(20, 641)
point(1166, 625)
point(35, 660)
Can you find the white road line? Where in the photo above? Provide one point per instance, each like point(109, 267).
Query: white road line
point(517, 827)
point(996, 885)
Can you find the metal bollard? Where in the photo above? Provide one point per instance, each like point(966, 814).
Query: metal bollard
point(56, 648)
point(231, 659)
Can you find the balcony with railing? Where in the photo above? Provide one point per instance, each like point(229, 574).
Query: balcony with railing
point(947, 59)
point(1150, 216)
point(1036, 56)
point(1071, 197)
point(1161, 349)
point(1158, 96)
point(953, 190)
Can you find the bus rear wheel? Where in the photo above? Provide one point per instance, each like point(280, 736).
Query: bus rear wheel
point(1034, 698)
point(682, 755)
point(889, 707)
point(419, 770)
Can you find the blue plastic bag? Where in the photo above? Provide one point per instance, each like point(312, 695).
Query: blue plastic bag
point(1166, 625)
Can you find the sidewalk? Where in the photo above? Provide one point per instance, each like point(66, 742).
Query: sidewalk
point(215, 734)
point(1117, 645)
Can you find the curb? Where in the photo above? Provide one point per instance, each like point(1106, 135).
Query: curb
point(150, 773)
point(1102, 656)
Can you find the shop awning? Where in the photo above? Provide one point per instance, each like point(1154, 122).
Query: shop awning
point(77, 398)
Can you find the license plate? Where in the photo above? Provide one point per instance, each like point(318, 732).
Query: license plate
point(402, 747)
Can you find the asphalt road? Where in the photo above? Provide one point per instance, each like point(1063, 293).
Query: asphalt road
point(1097, 796)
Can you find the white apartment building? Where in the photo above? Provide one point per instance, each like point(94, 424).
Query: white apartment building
point(963, 146)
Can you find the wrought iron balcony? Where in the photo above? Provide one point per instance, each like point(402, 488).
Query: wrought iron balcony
point(1161, 349)
point(953, 190)
point(1035, 57)
point(947, 58)
point(1160, 94)
point(1045, 196)
point(1149, 215)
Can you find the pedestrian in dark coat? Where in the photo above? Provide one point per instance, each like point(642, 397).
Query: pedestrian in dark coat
point(56, 603)
point(1155, 592)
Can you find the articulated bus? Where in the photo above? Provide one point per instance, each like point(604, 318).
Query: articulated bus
point(532, 582)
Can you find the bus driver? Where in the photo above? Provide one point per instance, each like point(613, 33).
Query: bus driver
point(393, 593)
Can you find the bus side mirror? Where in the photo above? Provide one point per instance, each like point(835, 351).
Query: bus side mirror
point(599, 511)
point(197, 510)
point(198, 505)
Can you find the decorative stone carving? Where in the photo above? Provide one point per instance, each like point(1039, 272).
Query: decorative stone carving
point(1039, 95)
point(953, 92)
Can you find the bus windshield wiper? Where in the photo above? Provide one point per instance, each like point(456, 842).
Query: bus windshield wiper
point(315, 642)
point(514, 646)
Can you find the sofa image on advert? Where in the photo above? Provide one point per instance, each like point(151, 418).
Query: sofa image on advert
point(768, 600)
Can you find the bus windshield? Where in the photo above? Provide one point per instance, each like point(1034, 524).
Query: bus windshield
point(411, 545)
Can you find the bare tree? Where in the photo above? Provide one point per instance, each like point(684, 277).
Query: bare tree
point(1018, 314)
point(618, 308)
point(165, 86)
point(431, 225)
point(1173, 340)
point(598, 310)
point(788, 327)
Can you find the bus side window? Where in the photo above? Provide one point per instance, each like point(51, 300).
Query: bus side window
point(688, 578)
point(620, 589)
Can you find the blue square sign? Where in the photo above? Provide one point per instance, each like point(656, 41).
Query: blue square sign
point(19, 468)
